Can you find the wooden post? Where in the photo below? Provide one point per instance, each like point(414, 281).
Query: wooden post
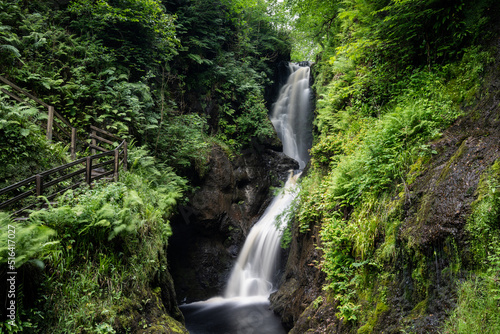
point(50, 122)
point(73, 144)
point(94, 142)
point(117, 164)
point(88, 172)
point(39, 185)
point(125, 156)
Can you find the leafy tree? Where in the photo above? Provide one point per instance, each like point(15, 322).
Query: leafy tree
point(224, 63)
point(139, 31)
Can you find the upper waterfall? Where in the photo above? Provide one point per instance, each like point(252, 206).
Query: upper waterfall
point(291, 114)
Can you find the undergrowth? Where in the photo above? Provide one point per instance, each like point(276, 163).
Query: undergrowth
point(101, 247)
point(24, 150)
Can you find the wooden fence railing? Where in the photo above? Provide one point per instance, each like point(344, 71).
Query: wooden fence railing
point(57, 125)
point(39, 184)
point(97, 137)
point(56, 181)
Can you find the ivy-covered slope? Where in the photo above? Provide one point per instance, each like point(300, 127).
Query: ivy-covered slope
point(396, 221)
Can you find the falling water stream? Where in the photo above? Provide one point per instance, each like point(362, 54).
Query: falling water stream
point(291, 115)
point(244, 307)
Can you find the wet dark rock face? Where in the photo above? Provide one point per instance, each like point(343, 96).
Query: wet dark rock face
point(209, 232)
point(435, 216)
point(439, 202)
point(301, 282)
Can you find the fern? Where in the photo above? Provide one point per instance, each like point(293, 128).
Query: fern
point(11, 49)
point(30, 241)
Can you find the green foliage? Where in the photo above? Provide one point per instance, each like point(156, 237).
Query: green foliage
point(417, 31)
point(24, 150)
point(390, 77)
point(132, 67)
point(362, 164)
point(369, 326)
point(389, 148)
point(100, 246)
point(182, 142)
point(120, 103)
point(482, 224)
point(345, 275)
point(113, 240)
point(465, 75)
point(314, 22)
point(370, 46)
point(30, 242)
point(9, 41)
point(370, 154)
point(477, 306)
point(243, 112)
point(285, 221)
point(25, 248)
point(94, 62)
point(139, 31)
point(238, 129)
point(228, 49)
point(124, 66)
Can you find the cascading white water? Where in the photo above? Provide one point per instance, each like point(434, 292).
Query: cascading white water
point(255, 266)
point(244, 307)
point(291, 115)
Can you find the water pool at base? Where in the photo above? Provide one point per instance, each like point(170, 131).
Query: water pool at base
point(231, 316)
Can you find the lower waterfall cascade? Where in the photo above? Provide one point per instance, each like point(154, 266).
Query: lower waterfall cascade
point(244, 306)
point(253, 272)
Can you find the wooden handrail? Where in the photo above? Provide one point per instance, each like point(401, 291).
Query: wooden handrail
point(95, 138)
point(101, 139)
point(20, 90)
point(95, 147)
point(39, 182)
point(17, 185)
point(18, 198)
point(60, 168)
point(39, 185)
point(105, 132)
point(14, 96)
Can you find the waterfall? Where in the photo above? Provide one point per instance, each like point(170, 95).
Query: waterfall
point(291, 115)
point(243, 309)
point(253, 272)
point(255, 267)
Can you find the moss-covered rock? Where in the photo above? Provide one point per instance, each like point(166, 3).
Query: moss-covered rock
point(144, 312)
point(372, 321)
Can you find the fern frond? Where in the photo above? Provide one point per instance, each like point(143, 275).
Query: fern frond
point(11, 49)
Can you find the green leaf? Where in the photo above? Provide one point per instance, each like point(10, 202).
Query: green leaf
point(25, 132)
